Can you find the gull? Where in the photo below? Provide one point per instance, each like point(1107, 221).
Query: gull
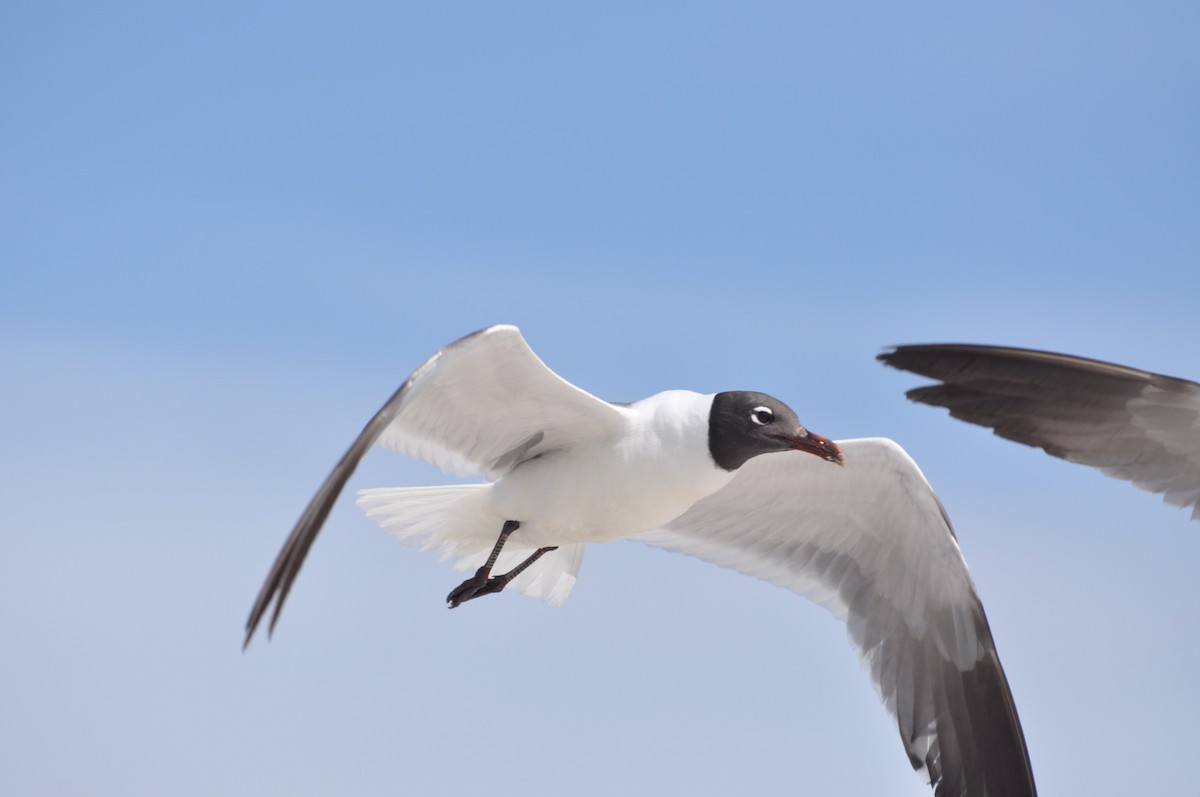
point(1134, 425)
point(733, 478)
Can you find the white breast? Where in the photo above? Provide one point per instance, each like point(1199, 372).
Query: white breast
point(630, 483)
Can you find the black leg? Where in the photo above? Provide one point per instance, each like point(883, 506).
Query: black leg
point(483, 582)
point(509, 527)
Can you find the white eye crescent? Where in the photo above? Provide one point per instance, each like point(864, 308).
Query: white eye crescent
point(762, 415)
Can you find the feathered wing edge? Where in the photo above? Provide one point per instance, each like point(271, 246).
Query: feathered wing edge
point(482, 404)
point(959, 728)
point(872, 544)
point(1130, 424)
point(291, 556)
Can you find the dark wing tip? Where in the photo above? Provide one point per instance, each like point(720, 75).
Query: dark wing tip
point(283, 573)
point(981, 747)
point(952, 361)
point(291, 556)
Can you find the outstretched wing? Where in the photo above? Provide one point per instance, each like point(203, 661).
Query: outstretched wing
point(871, 543)
point(483, 404)
point(1133, 425)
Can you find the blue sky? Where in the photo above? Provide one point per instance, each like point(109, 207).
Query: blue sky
point(228, 232)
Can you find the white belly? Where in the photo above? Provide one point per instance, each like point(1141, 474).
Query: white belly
point(605, 491)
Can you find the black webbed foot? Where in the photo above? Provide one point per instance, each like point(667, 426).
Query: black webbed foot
point(483, 583)
point(476, 586)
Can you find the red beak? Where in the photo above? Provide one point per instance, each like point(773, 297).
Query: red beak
point(823, 447)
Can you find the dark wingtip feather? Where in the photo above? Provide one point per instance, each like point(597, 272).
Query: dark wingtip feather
point(981, 747)
point(290, 559)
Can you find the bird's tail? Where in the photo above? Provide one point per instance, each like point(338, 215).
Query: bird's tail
point(452, 520)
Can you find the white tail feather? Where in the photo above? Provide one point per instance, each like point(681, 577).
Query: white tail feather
point(454, 521)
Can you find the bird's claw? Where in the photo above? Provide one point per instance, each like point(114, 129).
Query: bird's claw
point(474, 587)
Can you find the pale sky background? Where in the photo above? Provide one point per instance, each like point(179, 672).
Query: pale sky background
point(229, 231)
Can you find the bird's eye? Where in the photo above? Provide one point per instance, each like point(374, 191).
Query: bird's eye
point(762, 415)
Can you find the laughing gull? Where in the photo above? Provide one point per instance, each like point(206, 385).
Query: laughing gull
point(1131, 424)
point(732, 478)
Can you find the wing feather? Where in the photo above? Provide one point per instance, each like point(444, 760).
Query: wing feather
point(872, 543)
point(1134, 425)
point(482, 404)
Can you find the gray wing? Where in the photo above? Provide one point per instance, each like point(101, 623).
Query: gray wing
point(871, 542)
point(483, 404)
point(1133, 425)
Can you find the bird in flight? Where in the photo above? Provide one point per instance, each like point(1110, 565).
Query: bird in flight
point(1133, 425)
point(732, 478)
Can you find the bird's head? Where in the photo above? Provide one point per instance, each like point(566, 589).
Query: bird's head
point(743, 424)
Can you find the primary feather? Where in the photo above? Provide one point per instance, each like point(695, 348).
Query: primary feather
point(1130, 424)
